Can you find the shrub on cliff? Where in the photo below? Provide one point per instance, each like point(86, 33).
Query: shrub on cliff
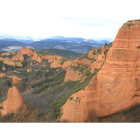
point(73, 87)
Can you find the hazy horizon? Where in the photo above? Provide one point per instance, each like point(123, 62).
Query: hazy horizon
point(42, 19)
point(82, 27)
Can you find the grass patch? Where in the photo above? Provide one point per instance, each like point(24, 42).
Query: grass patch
point(73, 86)
point(43, 52)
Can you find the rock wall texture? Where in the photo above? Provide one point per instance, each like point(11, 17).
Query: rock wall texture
point(15, 79)
point(12, 63)
point(2, 75)
point(37, 58)
point(18, 56)
point(27, 51)
point(56, 63)
point(13, 102)
point(8, 53)
point(116, 86)
point(72, 75)
point(92, 61)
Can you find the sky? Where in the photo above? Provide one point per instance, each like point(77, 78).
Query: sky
point(90, 19)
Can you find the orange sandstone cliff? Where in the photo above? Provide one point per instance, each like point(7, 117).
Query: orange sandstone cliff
point(8, 53)
point(91, 61)
point(72, 75)
point(116, 85)
point(27, 51)
point(12, 63)
point(13, 102)
point(18, 56)
point(37, 57)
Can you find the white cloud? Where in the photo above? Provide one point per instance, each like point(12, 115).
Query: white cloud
point(42, 18)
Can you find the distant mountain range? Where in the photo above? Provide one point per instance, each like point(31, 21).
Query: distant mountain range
point(79, 45)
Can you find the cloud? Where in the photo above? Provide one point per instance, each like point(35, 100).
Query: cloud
point(93, 21)
point(86, 18)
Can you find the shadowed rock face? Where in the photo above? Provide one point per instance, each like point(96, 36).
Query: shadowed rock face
point(13, 102)
point(116, 86)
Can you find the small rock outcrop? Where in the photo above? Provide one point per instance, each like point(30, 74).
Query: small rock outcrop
point(1, 58)
point(29, 70)
point(15, 79)
point(3, 68)
point(2, 75)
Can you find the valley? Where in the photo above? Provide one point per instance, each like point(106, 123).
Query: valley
point(67, 81)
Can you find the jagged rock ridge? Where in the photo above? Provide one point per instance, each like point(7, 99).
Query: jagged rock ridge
point(116, 86)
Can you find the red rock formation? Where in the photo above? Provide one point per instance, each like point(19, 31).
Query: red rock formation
point(29, 70)
point(72, 75)
point(1, 58)
point(15, 79)
point(67, 64)
point(27, 51)
point(83, 61)
point(13, 102)
point(116, 85)
point(3, 68)
point(2, 75)
point(8, 53)
point(12, 63)
point(37, 58)
point(51, 58)
point(56, 63)
point(31, 64)
point(18, 56)
point(104, 48)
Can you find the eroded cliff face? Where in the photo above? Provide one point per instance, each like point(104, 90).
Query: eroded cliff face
point(116, 85)
point(27, 51)
point(37, 58)
point(88, 63)
point(12, 63)
point(72, 75)
point(13, 102)
point(18, 56)
point(8, 53)
point(56, 63)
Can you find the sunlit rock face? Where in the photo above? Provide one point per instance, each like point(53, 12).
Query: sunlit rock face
point(12, 63)
point(13, 102)
point(116, 86)
point(18, 56)
point(37, 58)
point(27, 51)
